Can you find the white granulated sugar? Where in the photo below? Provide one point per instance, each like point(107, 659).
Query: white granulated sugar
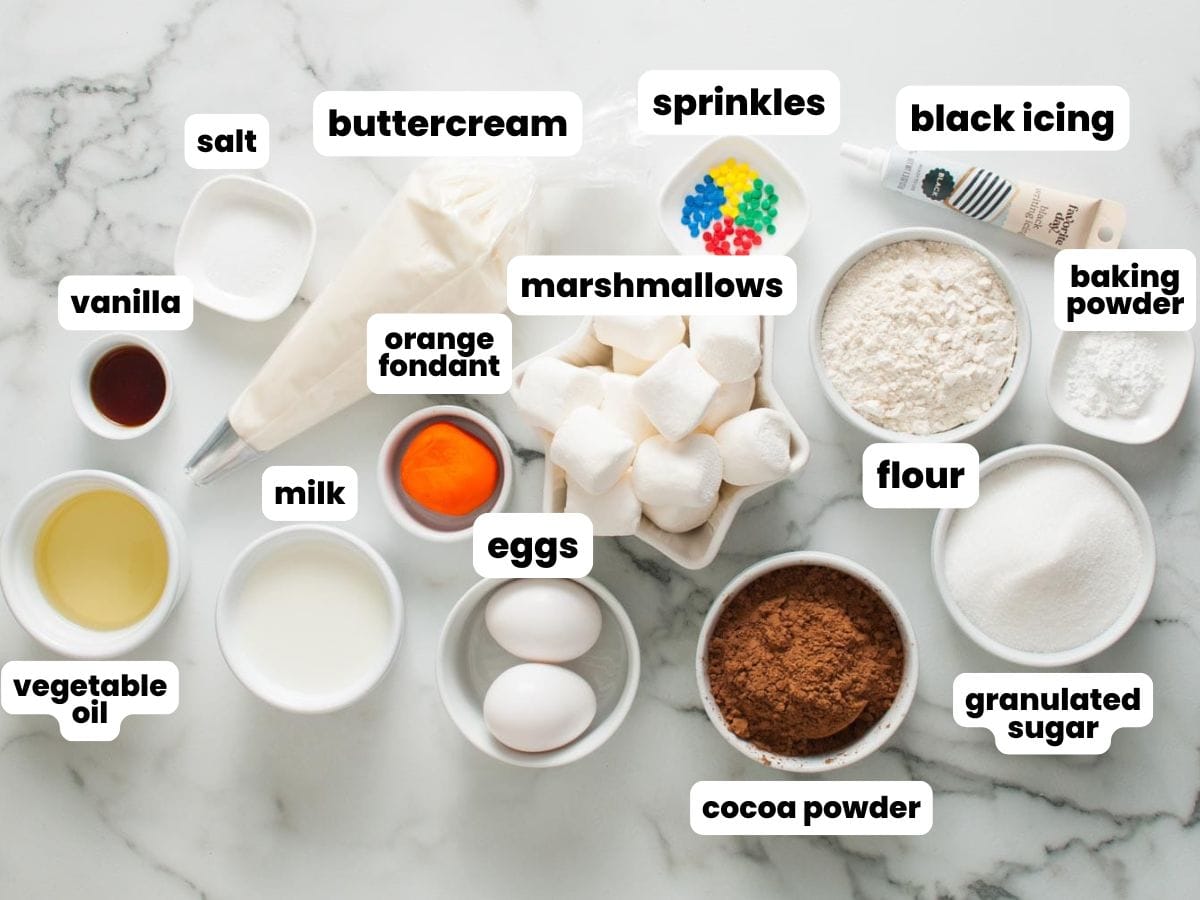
point(919, 336)
point(1047, 559)
point(1113, 374)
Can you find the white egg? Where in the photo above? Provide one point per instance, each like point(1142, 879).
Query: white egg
point(535, 707)
point(543, 619)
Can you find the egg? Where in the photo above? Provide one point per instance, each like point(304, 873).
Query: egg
point(536, 707)
point(543, 619)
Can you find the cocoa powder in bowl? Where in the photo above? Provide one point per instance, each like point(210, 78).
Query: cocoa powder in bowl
point(799, 649)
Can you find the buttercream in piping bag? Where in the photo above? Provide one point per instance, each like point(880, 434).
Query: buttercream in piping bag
point(441, 246)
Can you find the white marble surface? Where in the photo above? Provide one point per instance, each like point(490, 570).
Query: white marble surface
point(229, 798)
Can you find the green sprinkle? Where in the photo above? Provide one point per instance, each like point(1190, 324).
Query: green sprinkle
point(758, 183)
point(770, 229)
point(772, 212)
point(770, 189)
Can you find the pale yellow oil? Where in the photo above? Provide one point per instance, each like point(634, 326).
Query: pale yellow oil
point(101, 560)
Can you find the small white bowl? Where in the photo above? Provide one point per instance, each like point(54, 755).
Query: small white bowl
point(793, 203)
point(428, 525)
point(469, 659)
point(1162, 408)
point(1007, 392)
point(879, 733)
point(251, 289)
point(697, 548)
point(18, 577)
point(81, 387)
point(1101, 642)
point(244, 668)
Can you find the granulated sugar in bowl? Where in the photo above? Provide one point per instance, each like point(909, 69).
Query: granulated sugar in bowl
point(1053, 563)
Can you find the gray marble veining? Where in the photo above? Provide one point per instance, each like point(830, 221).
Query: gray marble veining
point(228, 798)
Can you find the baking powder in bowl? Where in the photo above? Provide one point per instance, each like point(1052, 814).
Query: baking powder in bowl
point(1047, 559)
point(920, 336)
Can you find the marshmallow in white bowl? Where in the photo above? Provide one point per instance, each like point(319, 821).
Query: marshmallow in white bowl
point(622, 408)
point(551, 389)
point(677, 473)
point(644, 337)
point(591, 449)
point(680, 519)
point(731, 400)
point(614, 513)
point(675, 393)
point(755, 447)
point(729, 347)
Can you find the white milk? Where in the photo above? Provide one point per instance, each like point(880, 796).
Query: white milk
point(313, 618)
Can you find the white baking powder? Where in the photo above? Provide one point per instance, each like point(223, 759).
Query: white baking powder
point(919, 336)
point(1113, 373)
point(1047, 559)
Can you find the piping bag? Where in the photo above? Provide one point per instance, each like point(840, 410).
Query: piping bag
point(441, 246)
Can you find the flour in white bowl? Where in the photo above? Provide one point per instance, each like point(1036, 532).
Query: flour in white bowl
point(920, 336)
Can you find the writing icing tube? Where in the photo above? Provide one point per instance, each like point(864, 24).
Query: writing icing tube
point(1059, 219)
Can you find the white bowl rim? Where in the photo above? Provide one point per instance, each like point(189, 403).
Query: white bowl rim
point(288, 700)
point(1015, 376)
point(582, 746)
point(122, 640)
point(759, 147)
point(1110, 635)
point(880, 733)
point(387, 489)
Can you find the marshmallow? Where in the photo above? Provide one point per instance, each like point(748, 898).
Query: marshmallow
point(552, 388)
point(680, 473)
point(755, 447)
point(678, 519)
point(729, 347)
point(625, 364)
point(620, 407)
point(646, 337)
point(675, 393)
point(732, 399)
point(591, 449)
point(615, 512)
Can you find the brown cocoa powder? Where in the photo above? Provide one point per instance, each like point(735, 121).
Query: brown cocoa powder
point(796, 651)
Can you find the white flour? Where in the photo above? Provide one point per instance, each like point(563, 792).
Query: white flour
point(1113, 374)
point(919, 336)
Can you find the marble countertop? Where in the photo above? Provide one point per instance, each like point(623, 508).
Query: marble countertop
point(230, 798)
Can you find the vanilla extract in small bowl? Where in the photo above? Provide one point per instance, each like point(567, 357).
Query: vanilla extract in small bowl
point(122, 386)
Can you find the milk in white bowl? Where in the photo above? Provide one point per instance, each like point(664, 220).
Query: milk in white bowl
point(309, 618)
